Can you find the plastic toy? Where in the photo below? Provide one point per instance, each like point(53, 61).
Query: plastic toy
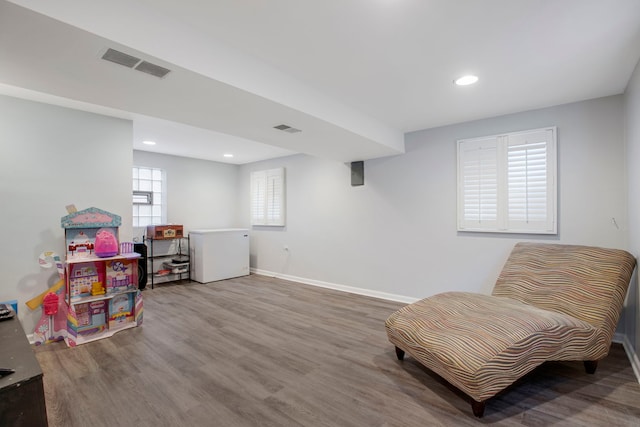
point(50, 307)
point(97, 294)
point(106, 243)
point(52, 325)
point(50, 304)
point(102, 295)
point(97, 289)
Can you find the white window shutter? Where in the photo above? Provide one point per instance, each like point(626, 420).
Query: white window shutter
point(507, 183)
point(531, 182)
point(268, 197)
point(258, 197)
point(275, 197)
point(477, 182)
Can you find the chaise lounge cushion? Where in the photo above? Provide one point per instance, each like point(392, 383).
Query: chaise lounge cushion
point(486, 352)
point(550, 302)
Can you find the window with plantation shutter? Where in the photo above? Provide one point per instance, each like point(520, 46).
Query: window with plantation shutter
point(267, 197)
point(478, 160)
point(507, 183)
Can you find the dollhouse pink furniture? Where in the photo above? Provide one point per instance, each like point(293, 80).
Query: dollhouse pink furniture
point(101, 276)
point(550, 303)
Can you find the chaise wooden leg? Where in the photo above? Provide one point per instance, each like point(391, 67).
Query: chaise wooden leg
point(478, 408)
point(590, 366)
point(399, 353)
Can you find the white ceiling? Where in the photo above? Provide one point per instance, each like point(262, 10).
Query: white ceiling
point(354, 75)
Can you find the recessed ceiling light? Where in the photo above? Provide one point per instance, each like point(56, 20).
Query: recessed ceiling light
point(466, 80)
point(228, 155)
point(149, 142)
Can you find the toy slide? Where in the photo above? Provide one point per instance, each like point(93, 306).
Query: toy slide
point(52, 326)
point(36, 302)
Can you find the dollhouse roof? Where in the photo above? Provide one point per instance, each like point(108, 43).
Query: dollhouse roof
point(91, 218)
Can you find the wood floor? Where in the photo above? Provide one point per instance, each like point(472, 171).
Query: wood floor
point(258, 351)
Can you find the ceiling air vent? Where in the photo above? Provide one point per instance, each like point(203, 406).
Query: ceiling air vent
point(153, 69)
point(286, 128)
point(129, 61)
point(120, 58)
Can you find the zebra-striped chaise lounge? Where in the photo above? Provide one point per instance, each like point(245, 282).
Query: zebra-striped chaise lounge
point(550, 302)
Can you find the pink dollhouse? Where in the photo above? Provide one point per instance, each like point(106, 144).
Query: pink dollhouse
point(101, 277)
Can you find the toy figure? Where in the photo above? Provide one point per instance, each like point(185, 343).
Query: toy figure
point(106, 243)
point(97, 289)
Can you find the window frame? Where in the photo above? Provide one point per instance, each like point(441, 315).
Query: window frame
point(267, 197)
point(533, 167)
point(155, 192)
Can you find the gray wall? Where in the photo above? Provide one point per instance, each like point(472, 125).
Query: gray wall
point(200, 193)
point(632, 129)
point(393, 237)
point(396, 236)
point(51, 157)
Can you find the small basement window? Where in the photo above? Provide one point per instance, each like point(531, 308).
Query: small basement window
point(507, 183)
point(149, 206)
point(268, 197)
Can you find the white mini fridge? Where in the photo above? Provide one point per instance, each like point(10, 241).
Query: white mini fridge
point(219, 254)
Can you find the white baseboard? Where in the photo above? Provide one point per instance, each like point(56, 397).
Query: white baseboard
point(618, 338)
point(633, 356)
point(343, 288)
